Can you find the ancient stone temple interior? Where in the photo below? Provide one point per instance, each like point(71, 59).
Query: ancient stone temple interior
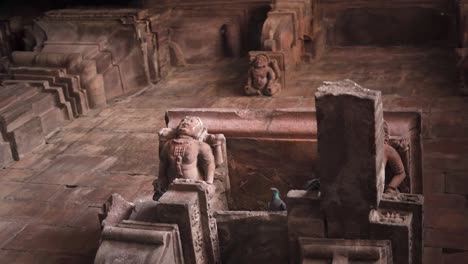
point(234, 131)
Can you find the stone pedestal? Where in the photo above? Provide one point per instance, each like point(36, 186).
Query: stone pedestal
point(350, 147)
point(412, 204)
point(395, 226)
point(140, 243)
point(186, 204)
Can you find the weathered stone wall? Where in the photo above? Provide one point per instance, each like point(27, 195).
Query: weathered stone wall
point(256, 165)
point(381, 22)
point(252, 237)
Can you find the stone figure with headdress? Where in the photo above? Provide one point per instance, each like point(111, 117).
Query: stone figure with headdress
point(263, 76)
point(184, 153)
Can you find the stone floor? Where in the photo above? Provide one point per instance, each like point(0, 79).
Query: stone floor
point(49, 200)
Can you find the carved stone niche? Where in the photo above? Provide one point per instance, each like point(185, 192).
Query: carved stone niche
point(322, 251)
point(405, 137)
point(133, 242)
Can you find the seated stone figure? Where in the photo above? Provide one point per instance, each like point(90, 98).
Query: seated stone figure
point(185, 154)
point(263, 76)
point(394, 168)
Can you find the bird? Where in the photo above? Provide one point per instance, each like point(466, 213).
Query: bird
point(312, 185)
point(276, 203)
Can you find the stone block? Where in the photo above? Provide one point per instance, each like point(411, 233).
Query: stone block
point(350, 148)
point(323, 250)
point(186, 204)
point(413, 204)
point(140, 243)
point(27, 137)
point(72, 93)
point(305, 219)
point(52, 120)
point(45, 87)
point(5, 154)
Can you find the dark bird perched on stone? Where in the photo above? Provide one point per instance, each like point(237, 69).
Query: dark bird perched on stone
point(276, 203)
point(312, 185)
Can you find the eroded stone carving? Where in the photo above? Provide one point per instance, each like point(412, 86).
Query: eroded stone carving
point(394, 168)
point(263, 76)
point(115, 210)
point(186, 152)
point(134, 242)
point(186, 204)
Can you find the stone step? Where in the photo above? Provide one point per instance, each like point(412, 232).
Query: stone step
point(20, 127)
point(15, 92)
point(5, 153)
point(26, 138)
point(57, 77)
point(24, 123)
point(21, 112)
point(52, 82)
point(78, 97)
point(44, 87)
point(52, 120)
point(72, 63)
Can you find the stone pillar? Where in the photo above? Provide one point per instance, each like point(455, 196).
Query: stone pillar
point(186, 204)
point(350, 149)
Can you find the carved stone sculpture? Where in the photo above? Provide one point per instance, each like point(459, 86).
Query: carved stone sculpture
point(263, 76)
point(186, 152)
point(394, 168)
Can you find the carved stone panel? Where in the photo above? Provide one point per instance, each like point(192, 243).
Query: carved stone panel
point(411, 203)
point(186, 204)
point(396, 226)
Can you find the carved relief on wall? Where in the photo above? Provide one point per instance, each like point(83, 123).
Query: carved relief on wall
point(265, 75)
point(397, 163)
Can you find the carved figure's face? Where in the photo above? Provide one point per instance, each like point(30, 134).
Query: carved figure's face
point(190, 126)
point(260, 62)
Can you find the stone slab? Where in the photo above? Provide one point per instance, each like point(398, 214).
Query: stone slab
point(350, 148)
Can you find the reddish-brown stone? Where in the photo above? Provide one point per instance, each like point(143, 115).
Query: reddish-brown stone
point(350, 147)
point(432, 255)
point(438, 238)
